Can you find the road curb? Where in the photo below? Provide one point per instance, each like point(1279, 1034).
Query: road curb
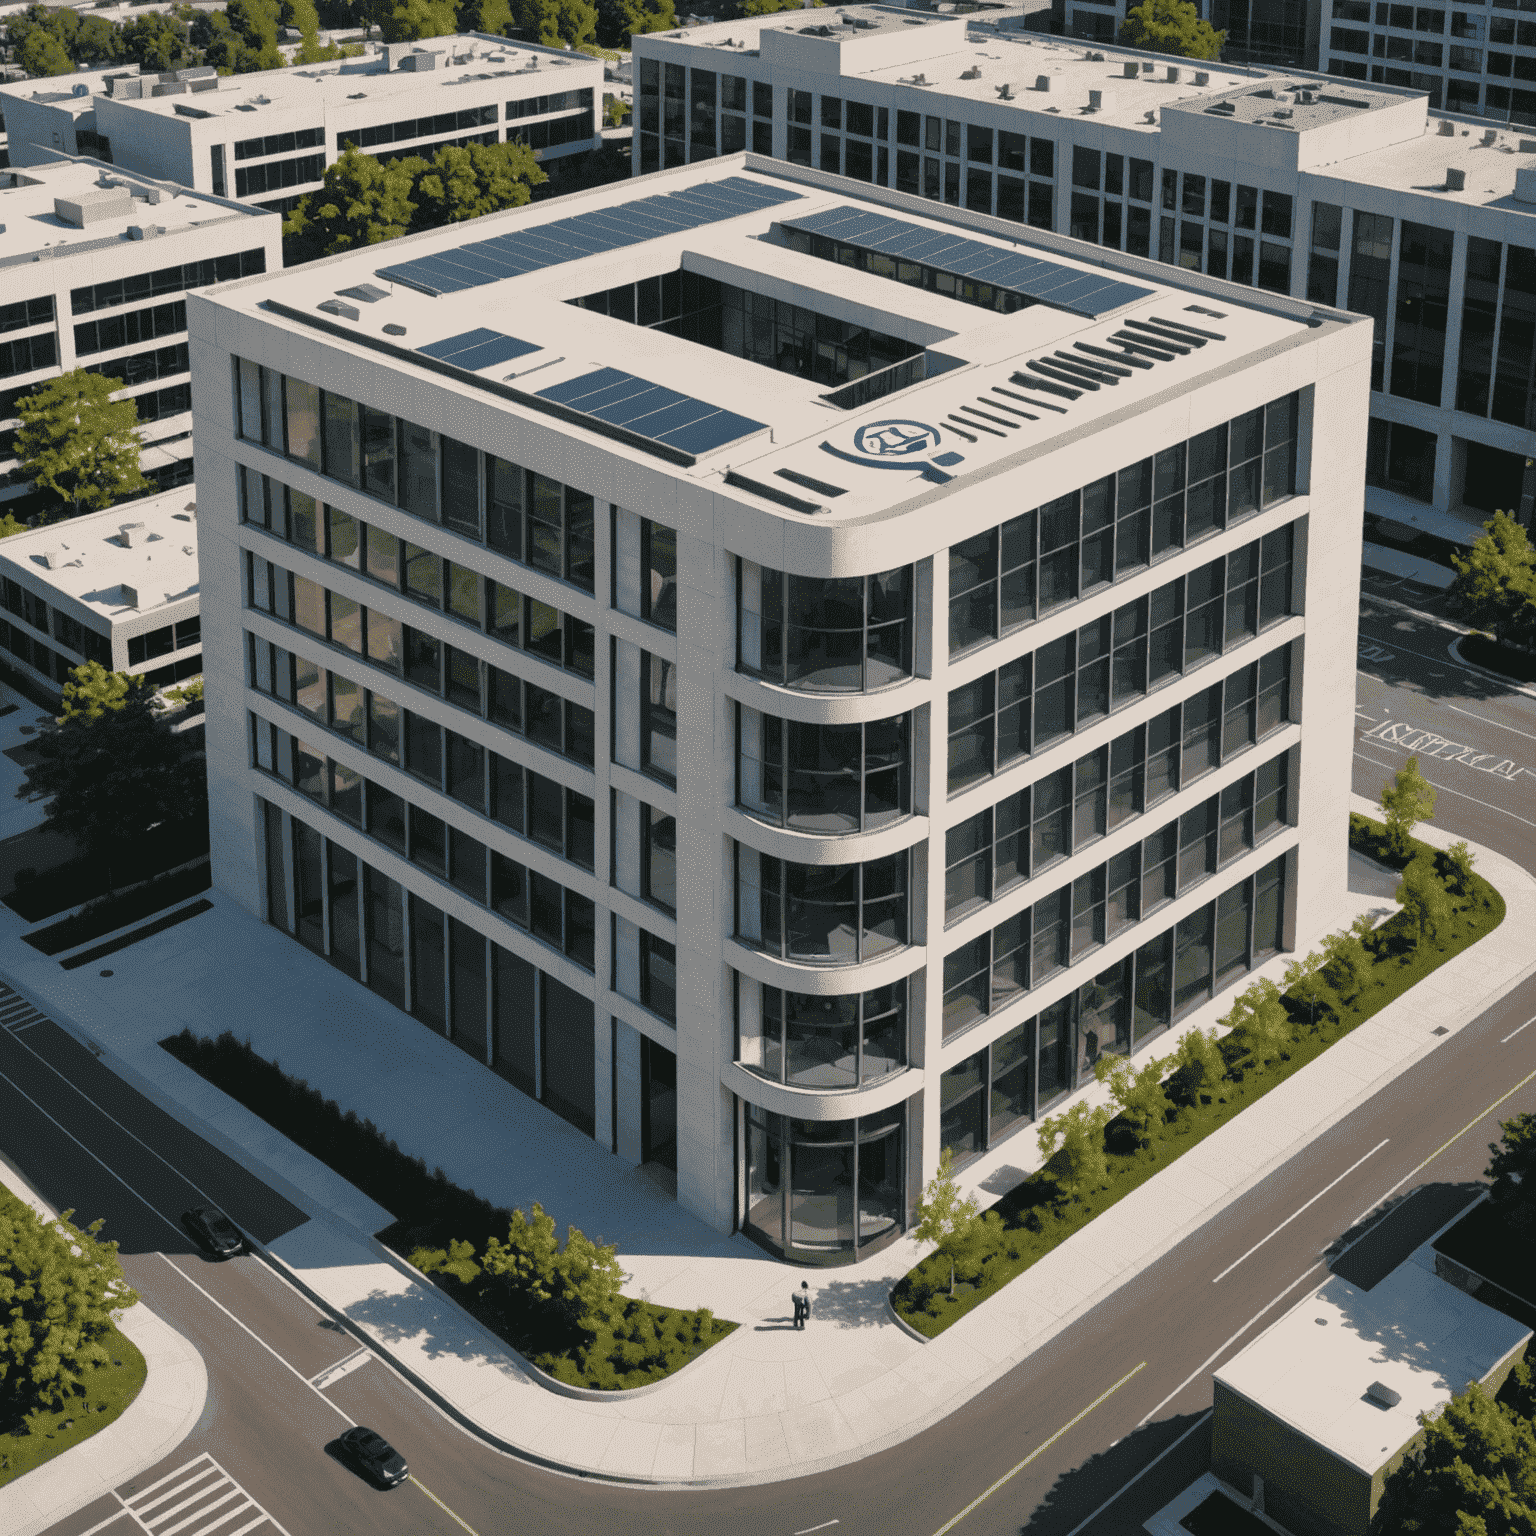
point(1513, 684)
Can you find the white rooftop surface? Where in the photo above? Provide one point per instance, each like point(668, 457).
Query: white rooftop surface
point(94, 562)
point(28, 222)
point(793, 419)
point(977, 67)
point(1413, 1332)
point(462, 60)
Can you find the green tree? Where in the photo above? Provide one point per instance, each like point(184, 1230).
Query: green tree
point(576, 1286)
point(155, 41)
point(92, 690)
point(9, 525)
point(1197, 1063)
point(1456, 865)
point(588, 1277)
point(98, 42)
point(1072, 1144)
point(620, 20)
point(1512, 1171)
point(1476, 1475)
point(1171, 26)
point(1422, 896)
point(1138, 1094)
point(1405, 802)
point(254, 24)
point(553, 22)
point(1346, 961)
point(362, 203)
point(469, 181)
point(61, 1289)
point(1305, 981)
point(1259, 1019)
point(457, 1259)
point(1495, 586)
point(114, 767)
point(42, 53)
point(78, 442)
point(409, 21)
point(493, 16)
point(947, 1219)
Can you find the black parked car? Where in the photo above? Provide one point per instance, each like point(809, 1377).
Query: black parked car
point(215, 1231)
point(375, 1455)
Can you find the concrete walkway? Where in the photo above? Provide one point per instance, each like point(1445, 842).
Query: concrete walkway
point(768, 1402)
point(168, 1405)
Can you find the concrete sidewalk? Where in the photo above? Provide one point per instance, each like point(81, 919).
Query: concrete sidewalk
point(768, 1402)
point(153, 1424)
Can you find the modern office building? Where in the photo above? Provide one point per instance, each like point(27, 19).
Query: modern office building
point(1330, 191)
point(785, 673)
point(118, 587)
point(1279, 32)
point(267, 138)
point(100, 265)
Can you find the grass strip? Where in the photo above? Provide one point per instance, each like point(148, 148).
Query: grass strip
point(107, 1391)
point(646, 1344)
point(1036, 1216)
point(108, 916)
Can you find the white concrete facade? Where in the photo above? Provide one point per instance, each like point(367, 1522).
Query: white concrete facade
point(1360, 195)
point(266, 138)
point(675, 963)
point(111, 291)
point(119, 587)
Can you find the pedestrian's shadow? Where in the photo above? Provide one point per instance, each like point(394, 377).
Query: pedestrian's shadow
point(775, 1325)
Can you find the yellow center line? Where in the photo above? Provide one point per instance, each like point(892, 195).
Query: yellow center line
point(464, 1523)
point(1038, 1451)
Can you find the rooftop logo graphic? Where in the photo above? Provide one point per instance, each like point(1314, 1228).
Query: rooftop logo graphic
point(899, 445)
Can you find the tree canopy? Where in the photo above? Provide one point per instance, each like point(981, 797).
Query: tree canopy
point(1512, 1171)
point(1495, 586)
point(620, 20)
point(61, 1287)
point(366, 201)
point(78, 442)
point(114, 767)
point(1169, 26)
point(946, 1218)
point(1405, 802)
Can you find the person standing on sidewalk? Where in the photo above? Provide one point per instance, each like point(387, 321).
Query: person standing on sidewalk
point(797, 1304)
point(804, 1298)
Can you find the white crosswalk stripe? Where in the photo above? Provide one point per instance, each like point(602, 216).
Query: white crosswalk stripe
point(198, 1499)
point(16, 1013)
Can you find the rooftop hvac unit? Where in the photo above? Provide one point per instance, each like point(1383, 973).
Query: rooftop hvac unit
point(1382, 1395)
point(1131, 69)
point(1455, 180)
point(131, 535)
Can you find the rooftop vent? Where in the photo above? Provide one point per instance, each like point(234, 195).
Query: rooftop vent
point(1528, 146)
point(1004, 92)
point(367, 293)
point(1490, 135)
point(1455, 180)
point(1203, 77)
point(1131, 69)
point(1382, 1395)
point(1148, 67)
point(1100, 101)
point(1525, 184)
point(1042, 82)
point(145, 231)
point(973, 73)
point(53, 558)
point(1175, 74)
point(337, 307)
point(394, 330)
point(131, 535)
point(1447, 128)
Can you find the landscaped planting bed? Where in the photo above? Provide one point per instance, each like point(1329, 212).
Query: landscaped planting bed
point(513, 1275)
point(103, 917)
point(1482, 651)
point(1042, 1212)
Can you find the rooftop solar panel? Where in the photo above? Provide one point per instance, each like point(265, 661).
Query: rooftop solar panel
point(651, 411)
point(584, 234)
point(1082, 293)
point(480, 348)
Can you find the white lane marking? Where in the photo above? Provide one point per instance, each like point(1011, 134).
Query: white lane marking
point(1125, 1488)
point(1511, 1035)
point(1443, 1145)
point(1235, 1337)
point(333, 1373)
point(1425, 656)
point(293, 1369)
point(1300, 1209)
point(101, 1525)
point(1487, 805)
point(1496, 724)
point(1424, 742)
point(825, 1524)
point(1369, 652)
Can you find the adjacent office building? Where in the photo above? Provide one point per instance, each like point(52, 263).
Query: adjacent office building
point(785, 673)
point(1283, 32)
point(100, 265)
point(118, 587)
point(266, 139)
point(1331, 191)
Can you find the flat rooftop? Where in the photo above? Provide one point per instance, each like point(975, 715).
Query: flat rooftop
point(487, 307)
point(1053, 77)
point(91, 563)
point(31, 224)
point(462, 62)
point(1412, 1332)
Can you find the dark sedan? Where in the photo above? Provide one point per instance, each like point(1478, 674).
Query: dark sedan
point(215, 1231)
point(375, 1455)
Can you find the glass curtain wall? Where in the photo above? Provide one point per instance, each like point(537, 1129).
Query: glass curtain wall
point(821, 1042)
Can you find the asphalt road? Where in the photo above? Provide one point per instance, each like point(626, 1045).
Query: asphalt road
point(1120, 1397)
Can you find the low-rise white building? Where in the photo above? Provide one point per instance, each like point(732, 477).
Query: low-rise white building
point(119, 587)
point(99, 264)
point(784, 673)
point(266, 138)
point(1328, 190)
